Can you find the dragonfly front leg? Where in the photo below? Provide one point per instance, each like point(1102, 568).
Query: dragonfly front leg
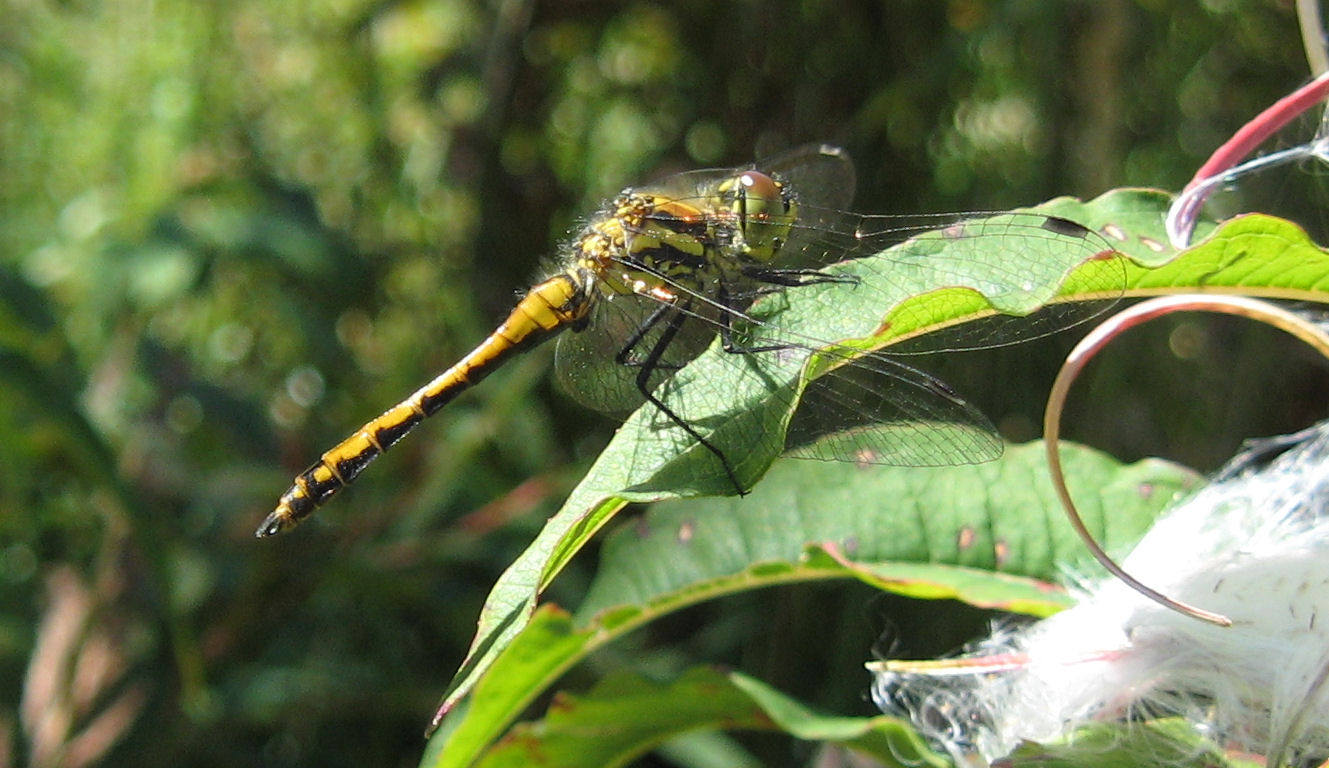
point(780, 279)
point(793, 278)
point(727, 341)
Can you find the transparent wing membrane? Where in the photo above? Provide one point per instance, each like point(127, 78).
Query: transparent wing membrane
point(875, 411)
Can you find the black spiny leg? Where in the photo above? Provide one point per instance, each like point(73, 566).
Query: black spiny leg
point(652, 362)
point(791, 278)
point(794, 277)
point(625, 356)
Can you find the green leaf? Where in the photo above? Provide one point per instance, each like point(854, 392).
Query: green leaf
point(1252, 255)
point(955, 532)
point(625, 715)
point(1170, 742)
point(891, 741)
point(743, 408)
point(930, 533)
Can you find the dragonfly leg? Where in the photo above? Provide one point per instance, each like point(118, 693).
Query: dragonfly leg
point(652, 362)
point(794, 277)
point(626, 356)
point(780, 278)
point(727, 341)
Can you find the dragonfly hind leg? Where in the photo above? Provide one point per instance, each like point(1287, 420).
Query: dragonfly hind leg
point(653, 362)
point(626, 357)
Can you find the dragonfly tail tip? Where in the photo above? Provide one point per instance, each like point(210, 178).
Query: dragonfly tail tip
point(272, 525)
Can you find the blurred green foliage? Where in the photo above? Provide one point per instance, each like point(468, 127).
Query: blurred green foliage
point(232, 231)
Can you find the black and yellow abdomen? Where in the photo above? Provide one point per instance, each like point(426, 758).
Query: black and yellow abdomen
point(550, 307)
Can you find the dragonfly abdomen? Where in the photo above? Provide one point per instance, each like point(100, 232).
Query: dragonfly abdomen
point(550, 307)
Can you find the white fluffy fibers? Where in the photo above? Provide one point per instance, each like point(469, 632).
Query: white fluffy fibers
point(1254, 547)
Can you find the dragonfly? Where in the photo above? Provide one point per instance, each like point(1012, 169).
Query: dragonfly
point(665, 269)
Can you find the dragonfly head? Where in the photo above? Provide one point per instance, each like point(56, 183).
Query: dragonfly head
point(763, 210)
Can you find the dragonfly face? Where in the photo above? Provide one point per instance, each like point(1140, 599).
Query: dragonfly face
point(666, 268)
point(764, 212)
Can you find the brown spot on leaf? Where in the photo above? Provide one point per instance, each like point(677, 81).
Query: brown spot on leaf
point(1152, 244)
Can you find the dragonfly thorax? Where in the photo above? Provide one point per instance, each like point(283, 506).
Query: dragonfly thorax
point(656, 244)
point(645, 244)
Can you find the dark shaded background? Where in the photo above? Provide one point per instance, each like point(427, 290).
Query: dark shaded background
point(232, 231)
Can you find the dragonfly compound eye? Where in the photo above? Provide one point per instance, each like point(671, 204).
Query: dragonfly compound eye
point(764, 212)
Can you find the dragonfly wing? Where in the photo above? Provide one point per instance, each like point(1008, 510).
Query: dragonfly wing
point(1017, 261)
point(822, 178)
point(875, 410)
point(587, 363)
